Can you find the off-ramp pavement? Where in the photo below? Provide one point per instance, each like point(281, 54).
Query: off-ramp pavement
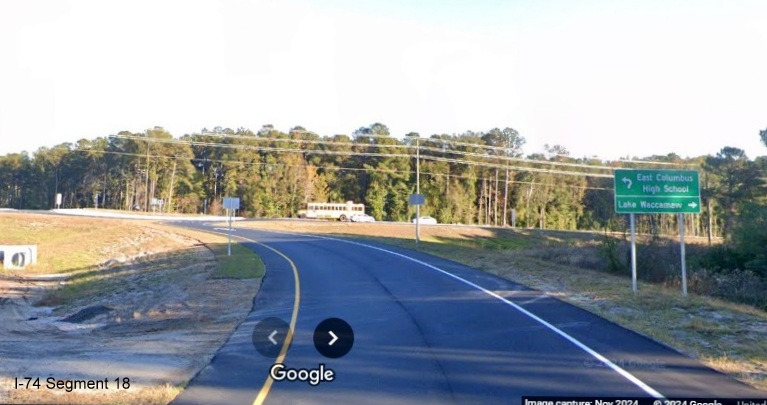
point(428, 331)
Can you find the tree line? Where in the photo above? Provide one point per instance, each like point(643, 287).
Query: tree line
point(483, 178)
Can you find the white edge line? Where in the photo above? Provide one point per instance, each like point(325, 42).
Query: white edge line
point(646, 388)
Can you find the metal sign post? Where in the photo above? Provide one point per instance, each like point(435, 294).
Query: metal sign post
point(417, 224)
point(681, 248)
point(418, 200)
point(229, 249)
point(651, 191)
point(231, 204)
point(633, 256)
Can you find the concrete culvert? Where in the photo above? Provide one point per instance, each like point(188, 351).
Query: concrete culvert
point(18, 260)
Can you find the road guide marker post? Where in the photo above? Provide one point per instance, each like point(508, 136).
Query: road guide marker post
point(652, 191)
point(231, 204)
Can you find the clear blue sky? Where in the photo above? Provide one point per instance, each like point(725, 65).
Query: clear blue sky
point(606, 78)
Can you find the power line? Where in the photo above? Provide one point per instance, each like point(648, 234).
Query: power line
point(326, 142)
point(335, 168)
point(504, 149)
point(370, 154)
point(359, 144)
point(658, 163)
point(428, 148)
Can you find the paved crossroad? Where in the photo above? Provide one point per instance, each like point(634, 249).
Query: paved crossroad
point(431, 331)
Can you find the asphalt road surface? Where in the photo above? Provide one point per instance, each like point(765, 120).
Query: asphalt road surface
point(431, 331)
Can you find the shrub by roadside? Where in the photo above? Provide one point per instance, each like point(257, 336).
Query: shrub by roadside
point(713, 271)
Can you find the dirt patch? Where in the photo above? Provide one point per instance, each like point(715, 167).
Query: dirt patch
point(154, 318)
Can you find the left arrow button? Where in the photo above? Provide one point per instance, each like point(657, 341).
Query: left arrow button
point(268, 336)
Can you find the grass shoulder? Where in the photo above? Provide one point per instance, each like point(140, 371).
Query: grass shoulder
point(242, 264)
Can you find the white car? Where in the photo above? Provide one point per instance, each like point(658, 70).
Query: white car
point(362, 218)
point(427, 220)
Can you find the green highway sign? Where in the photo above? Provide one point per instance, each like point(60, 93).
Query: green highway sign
point(657, 191)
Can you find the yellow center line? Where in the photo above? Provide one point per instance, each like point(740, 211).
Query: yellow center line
point(289, 337)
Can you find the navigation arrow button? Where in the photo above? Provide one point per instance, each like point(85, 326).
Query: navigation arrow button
point(334, 338)
point(268, 336)
point(341, 338)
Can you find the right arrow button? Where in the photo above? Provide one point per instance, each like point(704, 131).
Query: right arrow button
point(333, 338)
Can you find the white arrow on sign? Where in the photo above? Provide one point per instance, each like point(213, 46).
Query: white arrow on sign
point(627, 181)
point(692, 205)
point(334, 338)
point(271, 337)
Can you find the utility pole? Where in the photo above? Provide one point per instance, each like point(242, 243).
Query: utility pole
point(708, 211)
point(146, 188)
point(417, 191)
point(486, 184)
point(495, 209)
point(506, 194)
point(172, 177)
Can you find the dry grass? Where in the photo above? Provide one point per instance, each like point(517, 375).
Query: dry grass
point(726, 336)
point(69, 244)
point(156, 279)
